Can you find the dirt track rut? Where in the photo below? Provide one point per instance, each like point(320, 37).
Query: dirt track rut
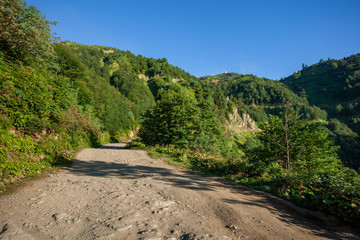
point(114, 193)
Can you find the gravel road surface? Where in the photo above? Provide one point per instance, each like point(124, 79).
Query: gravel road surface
point(114, 193)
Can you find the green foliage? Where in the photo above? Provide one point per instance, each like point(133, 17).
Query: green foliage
point(347, 139)
point(25, 95)
point(124, 70)
point(253, 90)
point(41, 121)
point(24, 30)
point(259, 96)
point(326, 85)
point(340, 128)
point(95, 94)
point(291, 144)
point(17, 156)
point(176, 119)
point(133, 88)
point(70, 65)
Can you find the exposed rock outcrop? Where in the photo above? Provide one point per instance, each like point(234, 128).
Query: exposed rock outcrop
point(237, 124)
point(108, 51)
point(143, 76)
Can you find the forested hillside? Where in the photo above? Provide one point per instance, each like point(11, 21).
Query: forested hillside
point(261, 97)
point(58, 97)
point(334, 86)
point(114, 82)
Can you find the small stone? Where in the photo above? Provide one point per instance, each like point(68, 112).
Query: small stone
point(188, 237)
point(11, 231)
point(42, 195)
point(143, 232)
point(60, 217)
point(27, 225)
point(174, 231)
point(231, 227)
point(154, 231)
point(164, 203)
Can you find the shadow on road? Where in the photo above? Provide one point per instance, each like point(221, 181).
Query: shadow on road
point(112, 147)
point(126, 171)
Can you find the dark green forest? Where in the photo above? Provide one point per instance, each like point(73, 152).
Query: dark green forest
point(297, 138)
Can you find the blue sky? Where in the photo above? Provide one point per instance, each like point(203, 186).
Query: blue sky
point(266, 38)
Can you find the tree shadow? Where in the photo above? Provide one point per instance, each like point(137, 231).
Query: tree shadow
point(285, 211)
point(127, 171)
point(114, 146)
point(293, 215)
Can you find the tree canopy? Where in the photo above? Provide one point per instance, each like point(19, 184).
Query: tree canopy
point(24, 30)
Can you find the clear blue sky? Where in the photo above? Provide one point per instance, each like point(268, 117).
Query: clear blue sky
point(266, 38)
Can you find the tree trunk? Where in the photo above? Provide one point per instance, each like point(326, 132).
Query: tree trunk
point(286, 130)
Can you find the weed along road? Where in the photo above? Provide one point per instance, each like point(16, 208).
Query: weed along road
point(114, 193)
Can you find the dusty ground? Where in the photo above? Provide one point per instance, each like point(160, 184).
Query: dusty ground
point(112, 193)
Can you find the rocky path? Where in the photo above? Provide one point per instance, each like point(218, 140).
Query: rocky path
point(113, 193)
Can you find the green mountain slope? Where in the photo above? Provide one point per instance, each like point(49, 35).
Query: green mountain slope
point(334, 86)
point(329, 83)
point(260, 96)
point(115, 82)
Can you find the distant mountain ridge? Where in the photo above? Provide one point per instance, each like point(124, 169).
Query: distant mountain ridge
point(261, 96)
point(328, 83)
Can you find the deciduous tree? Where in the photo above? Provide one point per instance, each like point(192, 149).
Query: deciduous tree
point(24, 30)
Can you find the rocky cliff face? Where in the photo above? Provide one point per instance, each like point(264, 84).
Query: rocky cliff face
point(237, 123)
point(143, 76)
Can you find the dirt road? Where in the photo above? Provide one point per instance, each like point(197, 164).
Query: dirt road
point(113, 193)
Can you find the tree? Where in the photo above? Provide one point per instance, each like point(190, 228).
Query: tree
point(171, 121)
point(24, 30)
point(178, 119)
point(290, 145)
point(338, 108)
